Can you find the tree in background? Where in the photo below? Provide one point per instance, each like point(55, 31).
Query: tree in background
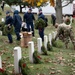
point(17, 2)
point(57, 4)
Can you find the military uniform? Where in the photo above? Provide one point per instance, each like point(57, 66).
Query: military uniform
point(65, 33)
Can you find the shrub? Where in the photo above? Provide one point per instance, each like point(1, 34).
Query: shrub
point(37, 58)
point(44, 50)
point(40, 23)
point(49, 47)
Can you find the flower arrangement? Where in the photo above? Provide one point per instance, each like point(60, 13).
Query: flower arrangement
point(44, 50)
point(3, 72)
point(23, 66)
point(49, 47)
point(8, 29)
point(40, 23)
point(37, 58)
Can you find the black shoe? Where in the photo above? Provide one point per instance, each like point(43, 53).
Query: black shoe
point(10, 41)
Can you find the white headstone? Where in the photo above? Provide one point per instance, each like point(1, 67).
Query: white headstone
point(53, 34)
point(45, 41)
point(3, 20)
point(31, 51)
point(50, 39)
point(0, 32)
point(0, 62)
point(39, 44)
point(17, 57)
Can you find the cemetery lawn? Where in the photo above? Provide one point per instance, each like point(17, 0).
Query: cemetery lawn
point(60, 61)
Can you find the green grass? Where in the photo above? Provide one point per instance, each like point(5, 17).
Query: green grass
point(60, 61)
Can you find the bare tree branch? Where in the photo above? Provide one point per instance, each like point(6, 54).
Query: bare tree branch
point(66, 4)
point(69, 1)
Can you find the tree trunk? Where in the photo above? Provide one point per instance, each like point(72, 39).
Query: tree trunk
point(58, 8)
point(20, 9)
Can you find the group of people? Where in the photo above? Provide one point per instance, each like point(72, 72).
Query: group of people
point(17, 21)
point(63, 31)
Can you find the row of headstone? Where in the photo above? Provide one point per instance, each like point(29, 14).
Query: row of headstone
point(17, 50)
point(18, 54)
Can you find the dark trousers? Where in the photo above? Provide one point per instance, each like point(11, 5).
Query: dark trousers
point(53, 21)
point(10, 38)
point(41, 34)
point(30, 27)
point(17, 32)
point(2, 8)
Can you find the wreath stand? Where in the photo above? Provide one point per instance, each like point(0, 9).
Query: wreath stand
point(26, 37)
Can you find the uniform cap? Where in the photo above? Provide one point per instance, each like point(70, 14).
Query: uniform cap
point(7, 12)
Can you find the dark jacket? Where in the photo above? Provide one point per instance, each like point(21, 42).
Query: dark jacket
point(28, 17)
point(17, 20)
point(41, 16)
point(9, 20)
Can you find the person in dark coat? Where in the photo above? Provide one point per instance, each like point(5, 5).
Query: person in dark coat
point(9, 22)
point(28, 18)
point(41, 30)
point(53, 19)
point(17, 21)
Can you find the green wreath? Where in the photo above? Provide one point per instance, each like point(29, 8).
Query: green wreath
point(49, 47)
point(7, 31)
point(3, 72)
point(24, 68)
point(44, 50)
point(67, 21)
point(54, 43)
point(0, 13)
point(40, 23)
point(37, 58)
point(2, 24)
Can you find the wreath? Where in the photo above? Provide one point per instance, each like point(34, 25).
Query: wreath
point(3, 72)
point(8, 30)
point(40, 23)
point(54, 43)
point(2, 24)
point(23, 66)
point(43, 49)
point(37, 58)
point(49, 47)
point(67, 21)
point(0, 13)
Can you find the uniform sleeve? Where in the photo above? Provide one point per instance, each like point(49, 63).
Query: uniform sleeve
point(58, 32)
